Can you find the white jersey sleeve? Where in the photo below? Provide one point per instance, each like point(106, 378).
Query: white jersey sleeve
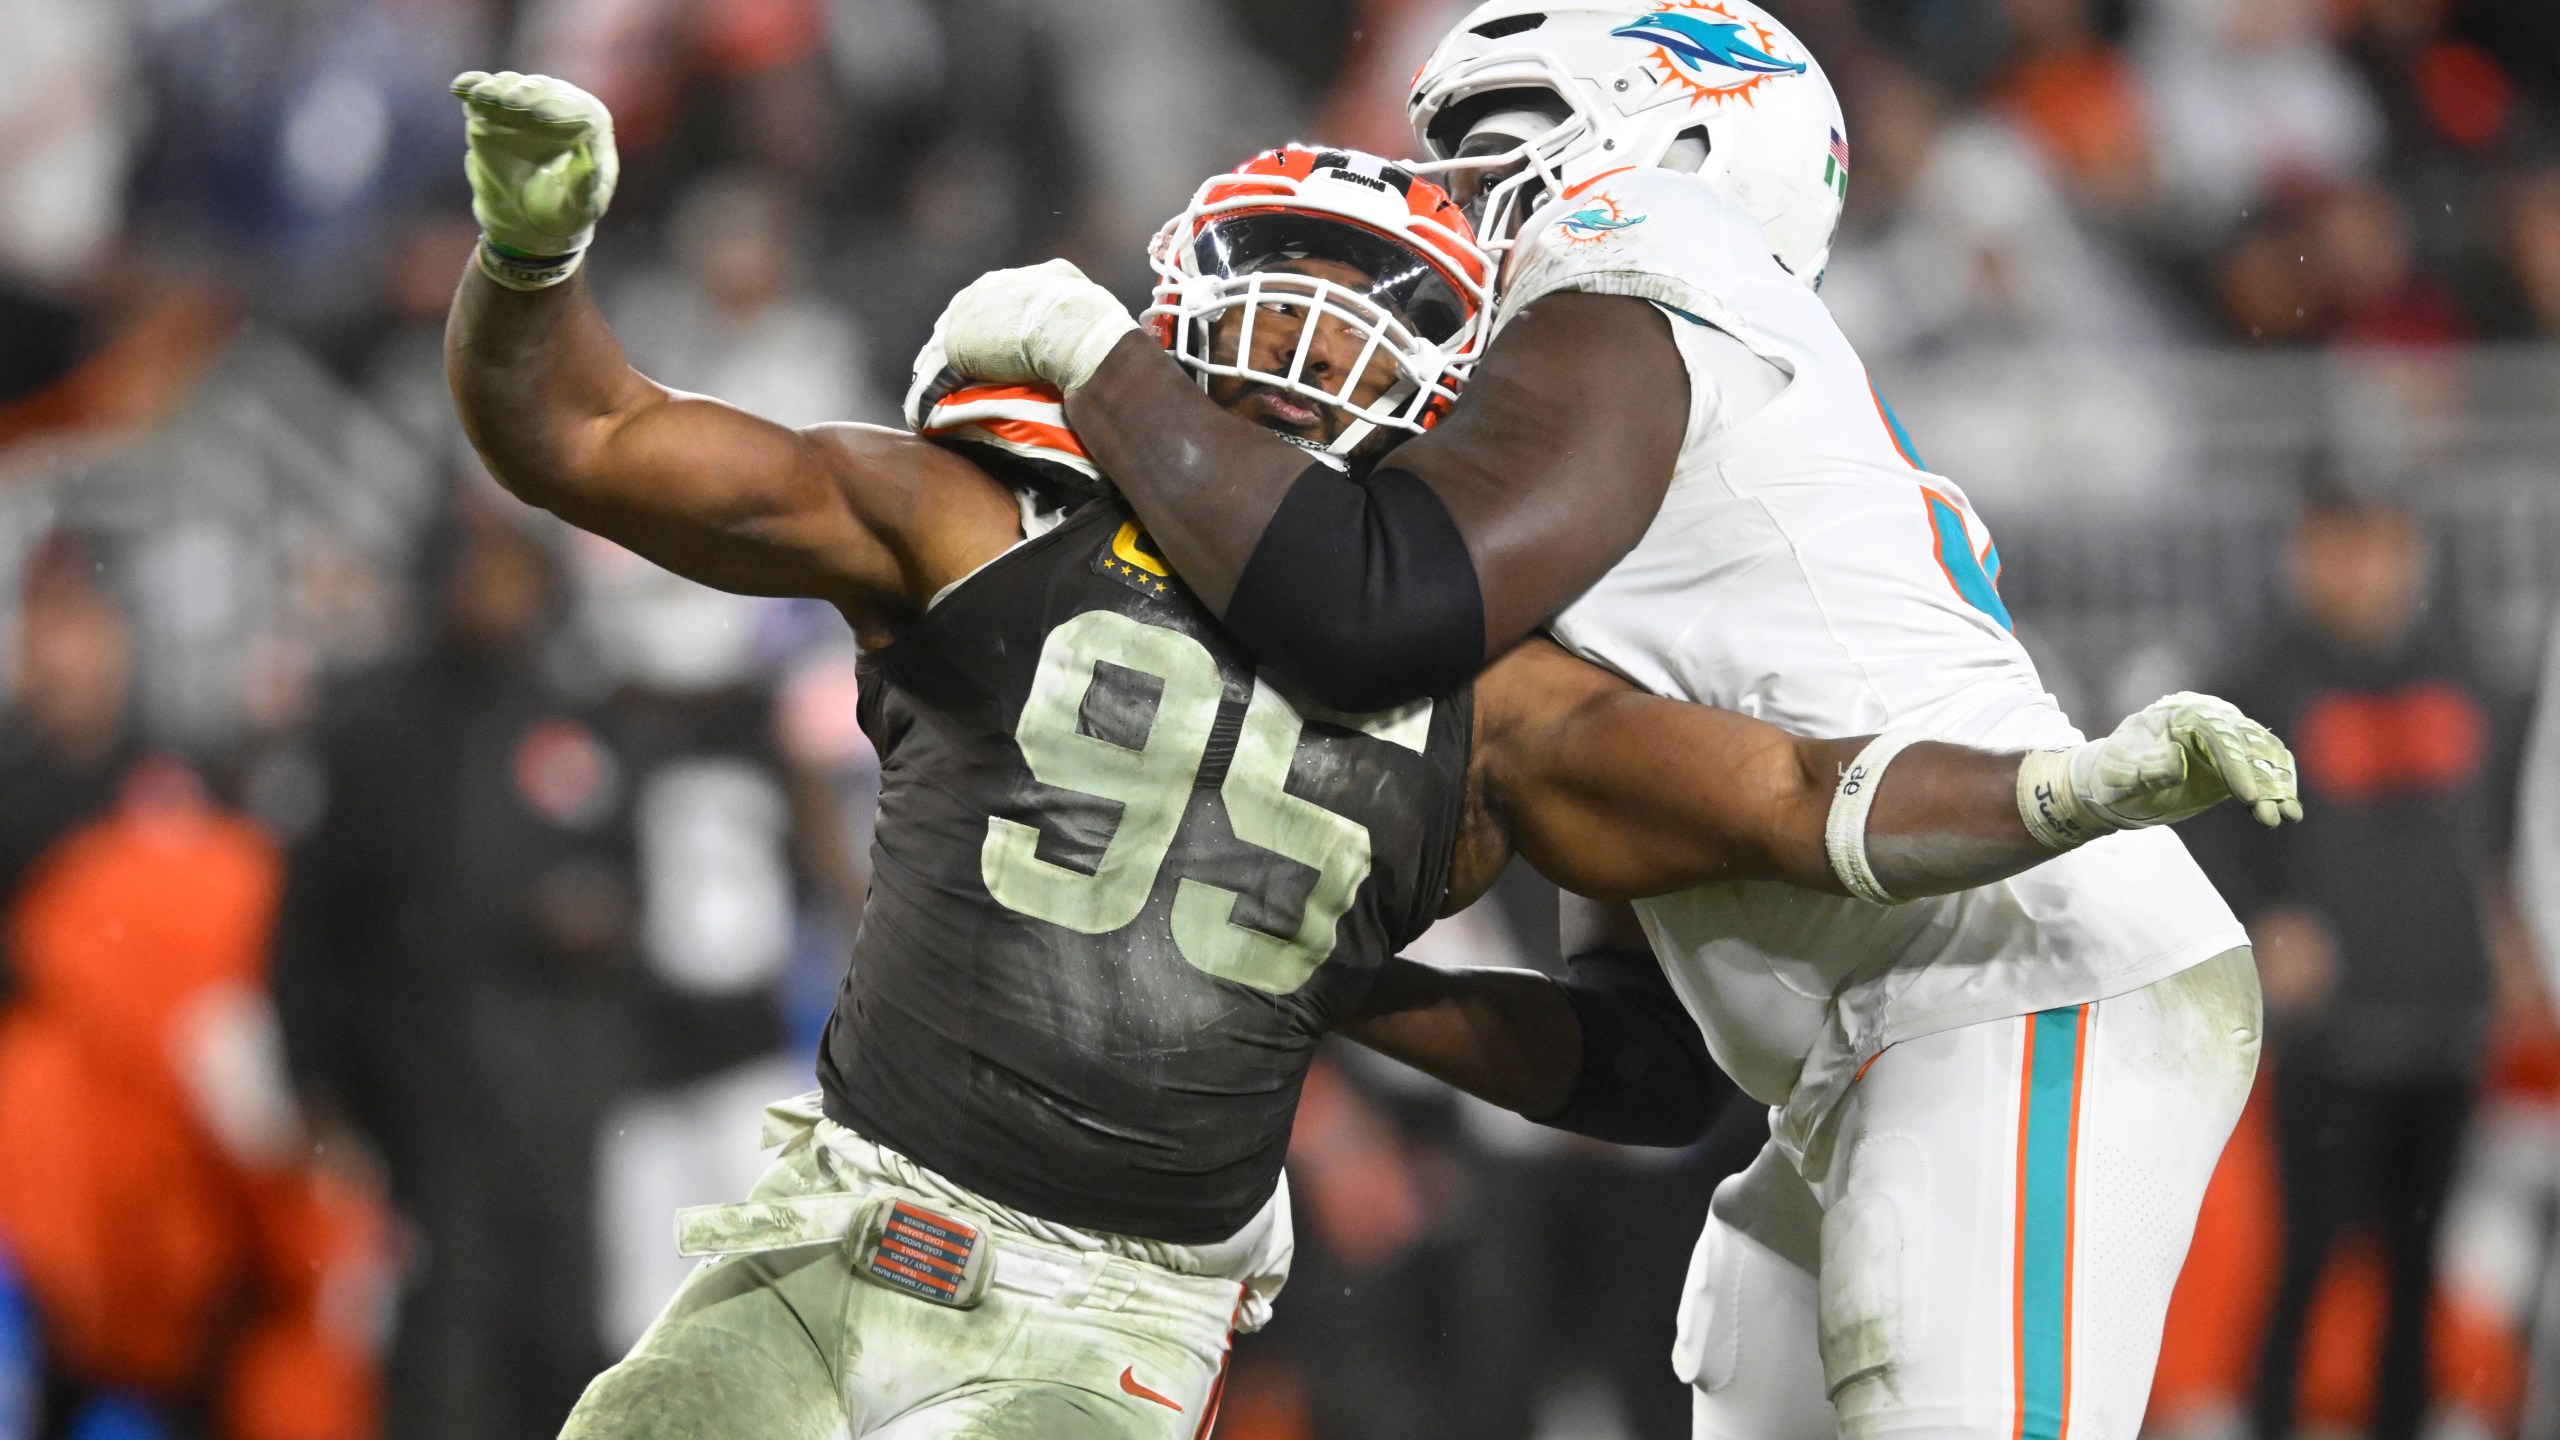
point(1603, 245)
point(1870, 586)
point(1655, 235)
point(1805, 568)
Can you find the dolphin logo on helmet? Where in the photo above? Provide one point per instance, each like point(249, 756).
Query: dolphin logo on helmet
point(1525, 103)
point(1696, 44)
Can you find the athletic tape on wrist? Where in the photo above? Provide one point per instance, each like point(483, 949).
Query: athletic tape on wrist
point(526, 272)
point(1844, 833)
point(2050, 806)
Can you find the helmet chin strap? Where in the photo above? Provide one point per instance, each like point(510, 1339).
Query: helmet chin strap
point(1350, 438)
point(1360, 429)
point(1336, 454)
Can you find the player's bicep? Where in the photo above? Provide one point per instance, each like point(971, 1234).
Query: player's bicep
point(1615, 793)
point(713, 493)
point(843, 513)
point(1556, 457)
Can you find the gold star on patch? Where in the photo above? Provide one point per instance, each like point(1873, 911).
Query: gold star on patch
point(1132, 559)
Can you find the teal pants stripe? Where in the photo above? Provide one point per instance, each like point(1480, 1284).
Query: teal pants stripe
point(2048, 1141)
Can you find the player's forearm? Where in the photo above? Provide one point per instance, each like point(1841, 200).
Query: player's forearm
point(540, 383)
point(1204, 481)
point(1557, 456)
point(1911, 817)
point(1508, 1037)
point(1619, 795)
point(1382, 591)
point(1946, 819)
point(1607, 1051)
point(1616, 794)
point(1369, 593)
point(1360, 593)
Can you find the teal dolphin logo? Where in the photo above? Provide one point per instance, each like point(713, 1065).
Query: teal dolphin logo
point(1595, 222)
point(1696, 44)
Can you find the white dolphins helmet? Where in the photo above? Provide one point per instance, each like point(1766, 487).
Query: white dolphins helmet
point(1555, 93)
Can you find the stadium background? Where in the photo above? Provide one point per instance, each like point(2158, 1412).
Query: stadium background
point(410, 901)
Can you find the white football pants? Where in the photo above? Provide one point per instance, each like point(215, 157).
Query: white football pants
point(1081, 1335)
point(1987, 1247)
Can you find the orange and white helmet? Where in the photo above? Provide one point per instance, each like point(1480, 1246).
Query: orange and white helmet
point(1426, 303)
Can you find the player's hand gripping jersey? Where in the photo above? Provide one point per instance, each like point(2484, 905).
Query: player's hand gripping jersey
point(1806, 570)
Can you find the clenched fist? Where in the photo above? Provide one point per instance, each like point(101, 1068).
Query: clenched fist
point(1043, 322)
point(542, 167)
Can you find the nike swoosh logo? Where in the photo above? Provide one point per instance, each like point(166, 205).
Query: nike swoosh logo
point(1570, 191)
point(1129, 1382)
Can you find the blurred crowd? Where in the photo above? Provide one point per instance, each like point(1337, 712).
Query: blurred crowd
point(407, 902)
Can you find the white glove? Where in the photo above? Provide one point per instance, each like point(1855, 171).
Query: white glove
point(2184, 754)
point(1042, 322)
point(542, 168)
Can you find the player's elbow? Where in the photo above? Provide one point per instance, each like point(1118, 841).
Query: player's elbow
point(537, 475)
point(1644, 1075)
point(548, 445)
point(554, 462)
point(518, 449)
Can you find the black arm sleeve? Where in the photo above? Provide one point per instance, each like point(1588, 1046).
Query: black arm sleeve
point(1646, 1077)
point(1361, 593)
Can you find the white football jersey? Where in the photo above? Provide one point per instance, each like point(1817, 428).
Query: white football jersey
point(1805, 569)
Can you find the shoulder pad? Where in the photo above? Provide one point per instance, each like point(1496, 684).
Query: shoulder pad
point(1655, 234)
point(1019, 432)
point(1026, 421)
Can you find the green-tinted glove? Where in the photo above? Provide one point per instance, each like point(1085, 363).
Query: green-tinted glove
point(542, 170)
point(2184, 754)
point(1043, 322)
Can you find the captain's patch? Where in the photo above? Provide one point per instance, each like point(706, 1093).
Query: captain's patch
point(1132, 559)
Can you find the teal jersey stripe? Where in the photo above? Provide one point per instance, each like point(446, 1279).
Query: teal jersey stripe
point(1893, 423)
point(2051, 1115)
point(1963, 567)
